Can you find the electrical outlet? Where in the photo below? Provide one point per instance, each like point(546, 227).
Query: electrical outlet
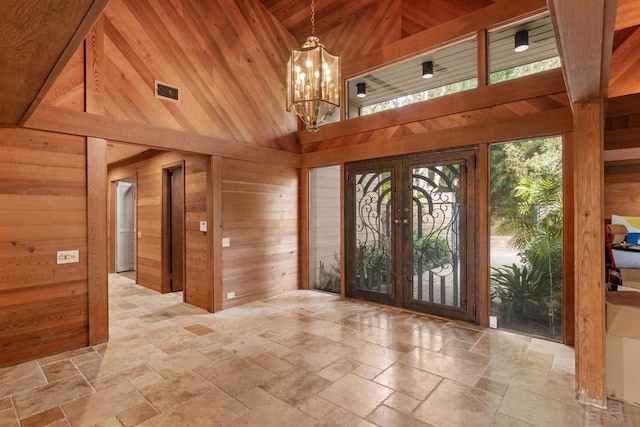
point(226, 242)
point(231, 295)
point(493, 322)
point(203, 226)
point(67, 257)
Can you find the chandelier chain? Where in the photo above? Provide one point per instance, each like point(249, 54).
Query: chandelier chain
point(313, 17)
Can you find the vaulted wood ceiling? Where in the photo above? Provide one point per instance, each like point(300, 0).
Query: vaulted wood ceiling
point(415, 15)
point(40, 39)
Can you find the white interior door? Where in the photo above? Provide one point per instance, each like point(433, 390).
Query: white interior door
point(125, 226)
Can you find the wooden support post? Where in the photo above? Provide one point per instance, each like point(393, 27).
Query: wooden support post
point(97, 276)
point(304, 228)
point(483, 57)
point(343, 264)
point(589, 252)
point(484, 235)
point(97, 243)
point(216, 227)
point(568, 242)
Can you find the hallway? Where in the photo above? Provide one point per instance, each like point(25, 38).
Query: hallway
point(304, 358)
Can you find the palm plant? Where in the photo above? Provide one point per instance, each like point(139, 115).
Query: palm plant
point(518, 291)
point(537, 228)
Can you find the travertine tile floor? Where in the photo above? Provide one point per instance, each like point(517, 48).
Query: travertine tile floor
point(301, 359)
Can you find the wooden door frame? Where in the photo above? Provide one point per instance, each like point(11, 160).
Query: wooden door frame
point(377, 165)
point(467, 157)
point(398, 165)
point(113, 223)
point(165, 228)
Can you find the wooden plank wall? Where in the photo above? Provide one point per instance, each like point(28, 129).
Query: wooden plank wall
point(622, 189)
point(43, 209)
point(622, 177)
point(260, 216)
point(147, 167)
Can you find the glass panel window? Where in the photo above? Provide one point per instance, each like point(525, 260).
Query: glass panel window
point(522, 49)
point(442, 72)
point(324, 228)
point(526, 236)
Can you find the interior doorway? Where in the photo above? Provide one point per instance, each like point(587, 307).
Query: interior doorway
point(173, 223)
point(410, 238)
point(125, 222)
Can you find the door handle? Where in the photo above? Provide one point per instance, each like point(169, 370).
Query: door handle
point(396, 221)
point(405, 221)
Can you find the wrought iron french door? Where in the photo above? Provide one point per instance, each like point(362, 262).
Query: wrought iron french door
point(409, 230)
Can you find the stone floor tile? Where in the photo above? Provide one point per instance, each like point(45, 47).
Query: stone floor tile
point(342, 417)
point(460, 370)
point(59, 370)
point(271, 363)
point(43, 418)
point(366, 371)
point(317, 407)
point(121, 377)
point(539, 410)
point(235, 375)
point(24, 376)
point(460, 350)
point(210, 409)
point(492, 386)
point(502, 420)
point(179, 362)
point(301, 358)
point(425, 339)
point(102, 405)
point(8, 418)
point(86, 357)
point(198, 329)
point(339, 369)
point(267, 410)
point(373, 335)
point(356, 394)
point(174, 390)
point(529, 376)
point(54, 394)
point(553, 348)
point(453, 404)
point(385, 416)
point(5, 404)
point(375, 355)
point(411, 381)
point(401, 402)
point(502, 345)
point(295, 386)
point(137, 414)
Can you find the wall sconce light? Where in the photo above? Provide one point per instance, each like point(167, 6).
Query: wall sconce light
point(361, 90)
point(521, 41)
point(427, 70)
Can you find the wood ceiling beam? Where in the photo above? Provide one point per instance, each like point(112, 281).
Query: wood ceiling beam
point(584, 34)
point(628, 14)
point(83, 27)
point(623, 105)
point(53, 119)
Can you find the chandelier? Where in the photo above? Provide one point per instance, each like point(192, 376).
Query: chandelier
point(313, 80)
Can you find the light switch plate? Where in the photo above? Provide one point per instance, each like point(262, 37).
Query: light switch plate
point(68, 257)
point(203, 226)
point(226, 242)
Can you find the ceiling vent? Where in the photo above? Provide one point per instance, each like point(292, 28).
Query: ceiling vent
point(165, 91)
